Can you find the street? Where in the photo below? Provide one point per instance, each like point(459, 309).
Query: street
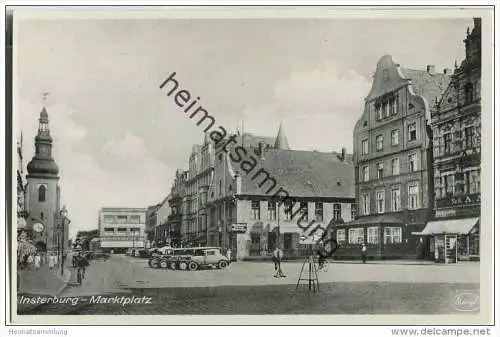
point(250, 288)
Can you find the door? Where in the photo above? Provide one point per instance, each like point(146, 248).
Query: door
point(210, 257)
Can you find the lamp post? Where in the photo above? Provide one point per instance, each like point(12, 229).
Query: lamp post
point(220, 234)
point(63, 216)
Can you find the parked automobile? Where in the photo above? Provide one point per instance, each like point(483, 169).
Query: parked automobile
point(192, 259)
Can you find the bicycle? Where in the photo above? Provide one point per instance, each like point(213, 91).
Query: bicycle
point(80, 275)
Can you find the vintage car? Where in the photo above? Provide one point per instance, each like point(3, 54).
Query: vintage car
point(192, 259)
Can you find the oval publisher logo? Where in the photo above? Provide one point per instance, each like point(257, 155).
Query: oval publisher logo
point(466, 301)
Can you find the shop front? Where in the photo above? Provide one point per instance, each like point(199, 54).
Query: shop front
point(453, 240)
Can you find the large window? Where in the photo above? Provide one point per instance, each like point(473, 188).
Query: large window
point(288, 210)
point(378, 112)
point(340, 235)
point(271, 210)
point(394, 137)
point(380, 142)
point(474, 182)
point(413, 162)
point(449, 183)
point(337, 211)
point(255, 210)
point(447, 143)
point(356, 235)
point(109, 219)
point(380, 201)
point(365, 204)
point(380, 171)
point(121, 219)
point(318, 210)
point(469, 136)
point(41, 193)
point(394, 107)
point(392, 235)
point(412, 132)
point(413, 196)
point(304, 211)
point(364, 146)
point(135, 219)
point(372, 235)
point(395, 166)
point(109, 231)
point(365, 172)
point(395, 199)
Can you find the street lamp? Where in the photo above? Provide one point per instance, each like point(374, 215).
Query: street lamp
point(220, 234)
point(63, 213)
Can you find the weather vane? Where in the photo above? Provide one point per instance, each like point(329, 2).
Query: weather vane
point(44, 97)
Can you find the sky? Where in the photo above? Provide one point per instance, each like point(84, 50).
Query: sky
point(118, 139)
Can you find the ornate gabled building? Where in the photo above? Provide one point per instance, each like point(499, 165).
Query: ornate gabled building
point(456, 132)
point(199, 177)
point(43, 192)
point(246, 214)
point(392, 158)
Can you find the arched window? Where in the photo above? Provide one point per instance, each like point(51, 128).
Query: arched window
point(41, 193)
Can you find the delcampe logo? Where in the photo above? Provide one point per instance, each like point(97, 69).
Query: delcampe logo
point(466, 301)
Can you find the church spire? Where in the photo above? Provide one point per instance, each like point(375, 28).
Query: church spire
point(42, 163)
point(281, 141)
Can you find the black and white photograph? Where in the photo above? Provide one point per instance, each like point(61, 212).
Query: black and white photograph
point(274, 164)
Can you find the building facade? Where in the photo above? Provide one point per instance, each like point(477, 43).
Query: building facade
point(43, 193)
point(246, 214)
point(456, 130)
point(122, 228)
point(392, 158)
point(21, 187)
point(152, 220)
point(199, 177)
point(161, 227)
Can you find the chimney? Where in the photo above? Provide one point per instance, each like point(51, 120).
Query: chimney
point(431, 69)
point(447, 71)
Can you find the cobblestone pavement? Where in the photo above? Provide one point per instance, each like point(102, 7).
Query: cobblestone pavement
point(249, 288)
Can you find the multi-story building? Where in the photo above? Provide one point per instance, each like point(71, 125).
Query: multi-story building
point(21, 188)
point(456, 127)
point(122, 228)
point(151, 223)
point(172, 232)
point(246, 212)
point(43, 193)
point(199, 178)
point(160, 229)
point(392, 158)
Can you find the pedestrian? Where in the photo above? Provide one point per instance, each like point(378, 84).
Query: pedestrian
point(51, 261)
point(37, 261)
point(228, 254)
point(363, 253)
point(321, 255)
point(30, 261)
point(277, 257)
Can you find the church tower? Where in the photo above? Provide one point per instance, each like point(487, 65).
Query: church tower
point(43, 193)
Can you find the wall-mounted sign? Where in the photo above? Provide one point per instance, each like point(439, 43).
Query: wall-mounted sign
point(445, 213)
point(468, 199)
point(38, 227)
point(239, 227)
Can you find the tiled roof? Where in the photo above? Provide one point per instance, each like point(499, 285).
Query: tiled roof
point(250, 140)
point(302, 174)
point(426, 84)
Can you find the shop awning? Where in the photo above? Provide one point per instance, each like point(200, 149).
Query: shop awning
point(450, 226)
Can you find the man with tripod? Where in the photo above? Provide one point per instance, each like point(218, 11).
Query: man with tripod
point(277, 256)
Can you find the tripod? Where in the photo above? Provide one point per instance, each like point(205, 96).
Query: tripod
point(312, 276)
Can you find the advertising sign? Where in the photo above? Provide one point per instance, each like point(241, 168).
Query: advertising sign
point(239, 227)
